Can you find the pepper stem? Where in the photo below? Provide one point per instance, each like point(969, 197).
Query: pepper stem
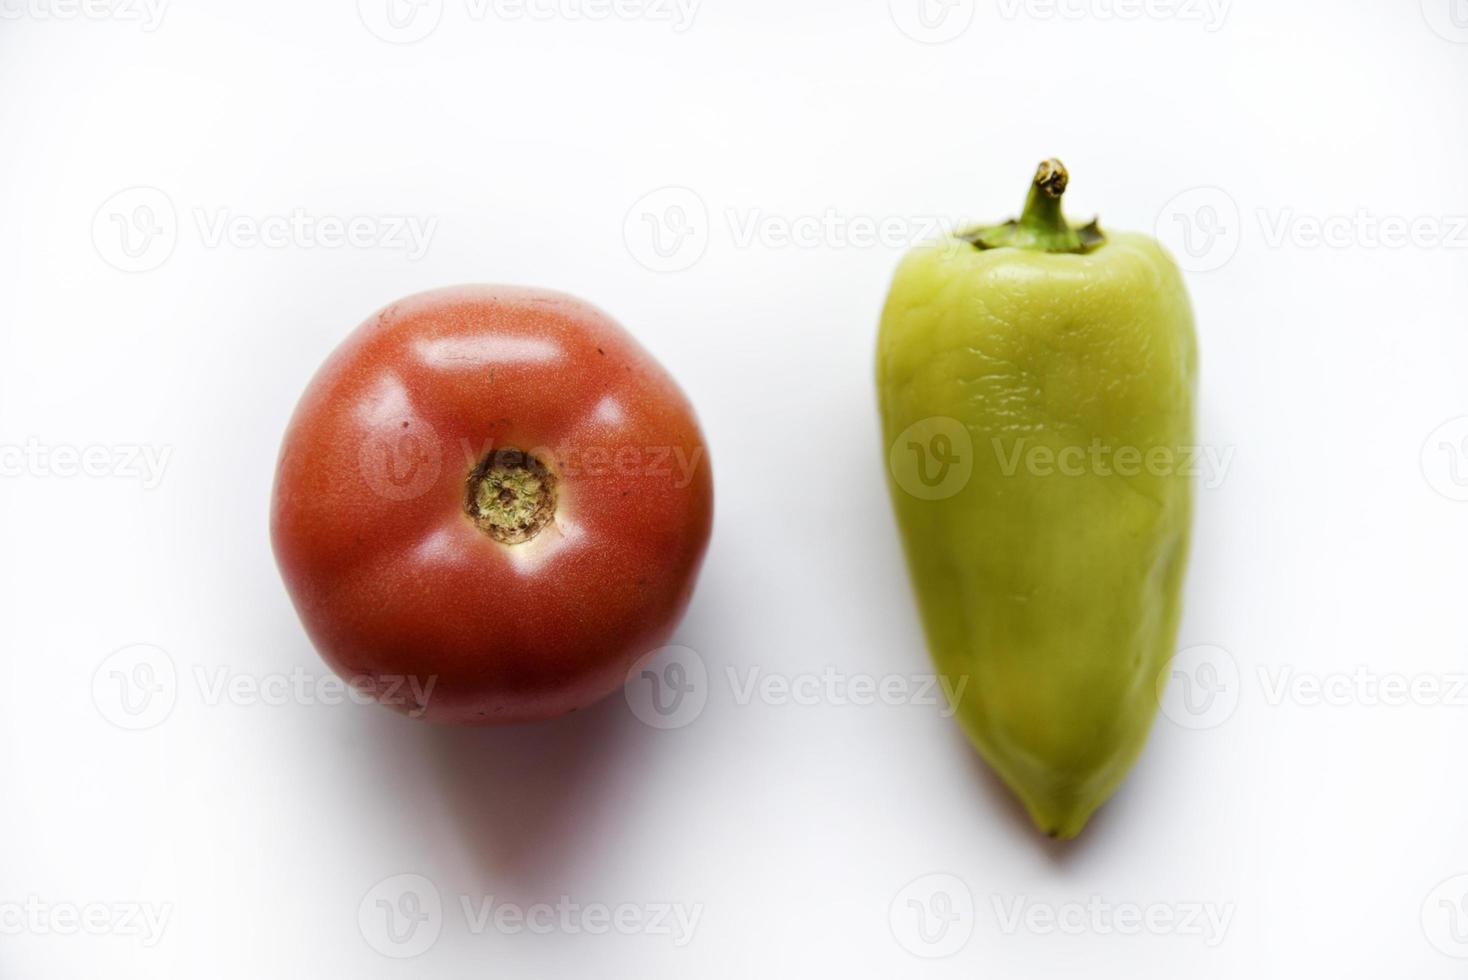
point(1042, 226)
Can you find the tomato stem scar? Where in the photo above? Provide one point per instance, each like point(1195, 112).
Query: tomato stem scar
point(510, 496)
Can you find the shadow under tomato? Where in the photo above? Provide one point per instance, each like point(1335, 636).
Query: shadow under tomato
point(533, 801)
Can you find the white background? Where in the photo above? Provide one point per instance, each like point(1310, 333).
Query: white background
point(1327, 830)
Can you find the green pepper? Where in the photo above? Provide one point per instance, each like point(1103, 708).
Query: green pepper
point(1036, 383)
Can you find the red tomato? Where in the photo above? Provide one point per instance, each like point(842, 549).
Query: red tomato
point(489, 504)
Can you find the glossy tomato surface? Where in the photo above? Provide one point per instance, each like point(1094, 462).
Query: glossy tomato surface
point(489, 504)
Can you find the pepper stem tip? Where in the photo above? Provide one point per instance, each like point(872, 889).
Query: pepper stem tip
point(1052, 177)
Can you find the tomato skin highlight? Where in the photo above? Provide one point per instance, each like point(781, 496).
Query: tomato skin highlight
point(398, 587)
